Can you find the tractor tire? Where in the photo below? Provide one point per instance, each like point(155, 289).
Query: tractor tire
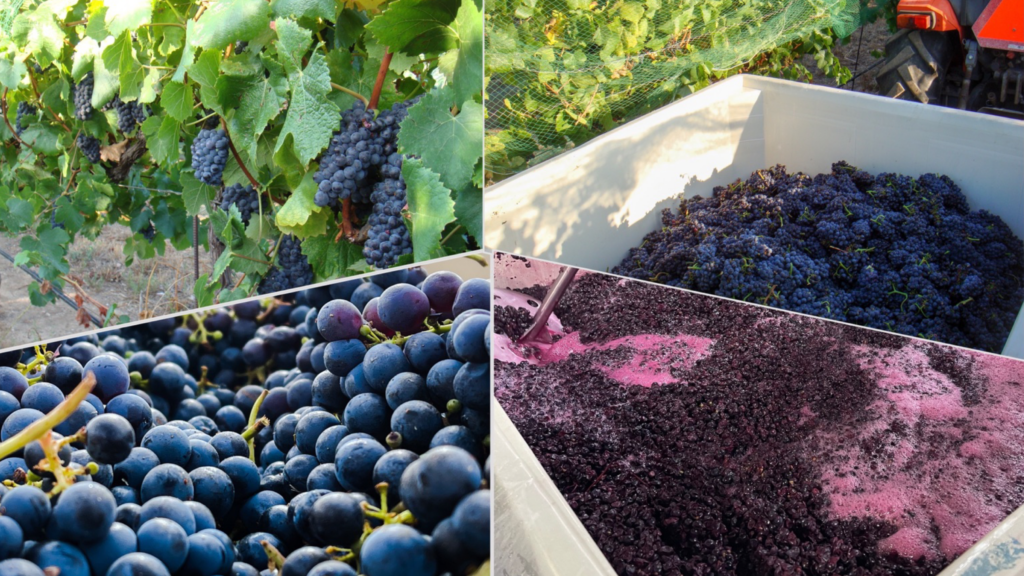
point(915, 65)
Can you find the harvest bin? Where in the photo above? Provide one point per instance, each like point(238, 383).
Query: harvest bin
point(536, 532)
point(589, 206)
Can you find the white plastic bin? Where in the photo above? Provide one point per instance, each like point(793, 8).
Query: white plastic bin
point(536, 532)
point(587, 207)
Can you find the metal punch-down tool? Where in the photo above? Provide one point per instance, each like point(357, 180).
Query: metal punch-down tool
point(554, 295)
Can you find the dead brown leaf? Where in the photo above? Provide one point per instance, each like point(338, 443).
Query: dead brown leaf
point(113, 153)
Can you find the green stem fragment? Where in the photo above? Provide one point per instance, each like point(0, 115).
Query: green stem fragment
point(37, 429)
point(251, 432)
point(253, 417)
point(274, 557)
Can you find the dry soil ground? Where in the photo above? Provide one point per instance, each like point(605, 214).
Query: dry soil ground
point(154, 287)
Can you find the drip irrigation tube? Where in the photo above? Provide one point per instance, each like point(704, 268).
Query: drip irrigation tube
point(57, 291)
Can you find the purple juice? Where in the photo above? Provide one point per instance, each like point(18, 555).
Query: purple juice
point(696, 435)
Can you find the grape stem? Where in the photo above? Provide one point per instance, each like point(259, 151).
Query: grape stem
point(37, 429)
point(353, 93)
point(202, 335)
point(234, 152)
point(275, 560)
point(251, 432)
point(450, 234)
point(382, 73)
point(253, 417)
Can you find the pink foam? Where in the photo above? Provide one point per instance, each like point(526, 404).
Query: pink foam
point(934, 462)
point(907, 541)
point(651, 362)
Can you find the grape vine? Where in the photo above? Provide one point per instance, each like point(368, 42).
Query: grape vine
point(192, 126)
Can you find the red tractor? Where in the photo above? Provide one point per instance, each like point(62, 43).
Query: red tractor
point(966, 54)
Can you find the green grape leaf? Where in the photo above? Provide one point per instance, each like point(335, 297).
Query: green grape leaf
point(299, 215)
point(120, 56)
point(430, 207)
point(238, 243)
point(68, 215)
point(362, 266)
point(323, 9)
point(332, 259)
point(37, 32)
point(206, 69)
point(229, 21)
point(465, 66)
point(188, 53)
point(311, 117)
point(399, 62)
point(47, 252)
point(126, 15)
point(259, 101)
point(262, 227)
point(294, 41)
point(96, 28)
point(205, 291)
point(228, 226)
point(449, 145)
point(18, 215)
point(11, 73)
point(196, 194)
point(106, 81)
point(235, 294)
point(417, 26)
point(162, 139)
point(36, 296)
point(348, 28)
point(292, 169)
point(43, 138)
point(469, 209)
point(206, 72)
point(166, 220)
point(147, 93)
point(177, 100)
point(251, 251)
point(167, 39)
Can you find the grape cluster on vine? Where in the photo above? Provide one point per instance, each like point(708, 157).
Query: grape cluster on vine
point(83, 98)
point(291, 270)
point(209, 156)
point(129, 114)
point(89, 146)
point(888, 251)
point(24, 110)
point(388, 236)
point(245, 198)
point(351, 165)
point(299, 433)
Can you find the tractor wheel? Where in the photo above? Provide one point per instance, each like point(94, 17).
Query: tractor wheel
point(915, 65)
